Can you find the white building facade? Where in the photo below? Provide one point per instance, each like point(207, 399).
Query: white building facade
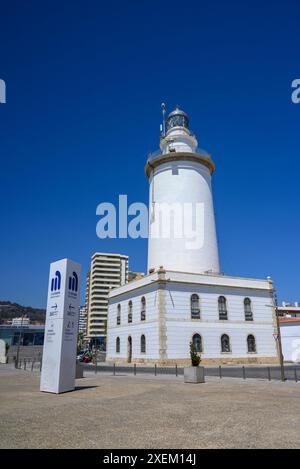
point(290, 338)
point(154, 319)
point(185, 297)
point(82, 323)
point(22, 321)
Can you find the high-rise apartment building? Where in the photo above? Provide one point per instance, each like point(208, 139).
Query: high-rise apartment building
point(108, 271)
point(82, 320)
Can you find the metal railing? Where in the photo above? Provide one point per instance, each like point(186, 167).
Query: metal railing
point(269, 373)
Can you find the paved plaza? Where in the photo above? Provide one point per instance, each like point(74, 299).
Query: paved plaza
point(125, 411)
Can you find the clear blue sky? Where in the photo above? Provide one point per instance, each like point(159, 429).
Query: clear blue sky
point(85, 80)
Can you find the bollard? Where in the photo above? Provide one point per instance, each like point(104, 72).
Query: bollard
point(176, 370)
point(220, 372)
point(96, 364)
point(296, 377)
point(134, 369)
point(155, 369)
point(41, 365)
point(32, 365)
point(24, 364)
point(269, 374)
point(114, 369)
point(244, 373)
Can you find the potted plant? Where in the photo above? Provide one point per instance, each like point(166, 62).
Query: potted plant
point(194, 373)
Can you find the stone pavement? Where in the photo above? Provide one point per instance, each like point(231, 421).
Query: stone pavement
point(148, 412)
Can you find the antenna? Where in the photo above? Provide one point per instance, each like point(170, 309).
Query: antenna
point(163, 108)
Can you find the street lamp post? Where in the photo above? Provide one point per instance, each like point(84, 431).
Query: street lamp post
point(18, 349)
point(279, 339)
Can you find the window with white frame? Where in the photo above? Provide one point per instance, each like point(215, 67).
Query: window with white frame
point(195, 306)
point(143, 309)
point(130, 311)
point(251, 344)
point(118, 315)
point(118, 344)
point(197, 341)
point(143, 344)
point(225, 343)
point(248, 309)
point(222, 303)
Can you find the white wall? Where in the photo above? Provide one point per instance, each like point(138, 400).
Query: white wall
point(290, 340)
point(183, 182)
point(150, 330)
point(178, 303)
point(149, 327)
point(179, 335)
point(180, 327)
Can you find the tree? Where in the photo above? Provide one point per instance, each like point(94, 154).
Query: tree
point(195, 356)
point(80, 339)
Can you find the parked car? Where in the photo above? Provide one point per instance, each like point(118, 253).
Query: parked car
point(86, 356)
point(80, 356)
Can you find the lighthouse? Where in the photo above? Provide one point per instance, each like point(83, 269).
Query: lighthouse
point(182, 231)
point(184, 298)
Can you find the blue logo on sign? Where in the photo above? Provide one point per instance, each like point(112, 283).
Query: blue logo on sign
point(56, 281)
point(73, 282)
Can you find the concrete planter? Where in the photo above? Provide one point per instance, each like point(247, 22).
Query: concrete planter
point(79, 370)
point(194, 374)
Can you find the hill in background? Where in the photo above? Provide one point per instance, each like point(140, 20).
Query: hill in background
point(9, 310)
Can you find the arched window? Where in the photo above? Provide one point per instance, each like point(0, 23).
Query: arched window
point(225, 343)
point(143, 344)
point(118, 344)
point(197, 341)
point(195, 308)
point(118, 315)
point(130, 311)
point(251, 343)
point(222, 307)
point(143, 309)
point(248, 309)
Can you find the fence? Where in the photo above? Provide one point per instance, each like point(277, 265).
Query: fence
point(292, 373)
point(28, 364)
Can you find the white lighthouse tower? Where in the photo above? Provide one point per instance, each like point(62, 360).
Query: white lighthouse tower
point(182, 232)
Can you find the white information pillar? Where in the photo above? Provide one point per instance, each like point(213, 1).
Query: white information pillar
point(60, 343)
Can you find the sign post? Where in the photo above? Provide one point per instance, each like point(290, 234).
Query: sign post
point(60, 342)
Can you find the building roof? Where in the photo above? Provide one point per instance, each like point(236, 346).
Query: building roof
point(177, 112)
point(285, 320)
point(204, 279)
point(291, 308)
point(109, 254)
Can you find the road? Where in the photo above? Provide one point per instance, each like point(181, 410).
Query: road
point(292, 372)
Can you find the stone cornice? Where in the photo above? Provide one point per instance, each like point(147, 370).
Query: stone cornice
point(180, 156)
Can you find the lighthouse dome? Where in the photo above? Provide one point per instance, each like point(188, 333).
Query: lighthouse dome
point(177, 118)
